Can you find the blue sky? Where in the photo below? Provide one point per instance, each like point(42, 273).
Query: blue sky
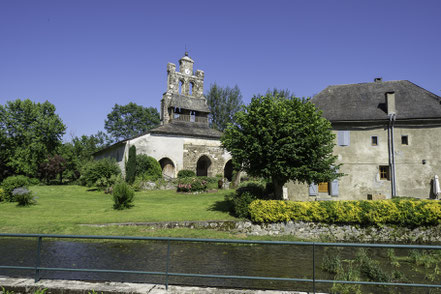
point(85, 56)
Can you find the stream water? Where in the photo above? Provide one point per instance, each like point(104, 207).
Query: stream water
point(287, 261)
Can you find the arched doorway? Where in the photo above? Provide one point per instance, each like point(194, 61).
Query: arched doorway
point(228, 170)
point(203, 166)
point(168, 168)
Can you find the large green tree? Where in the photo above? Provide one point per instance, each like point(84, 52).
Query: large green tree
point(79, 151)
point(223, 104)
point(29, 132)
point(282, 138)
point(125, 121)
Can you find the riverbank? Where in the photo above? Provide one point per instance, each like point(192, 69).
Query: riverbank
point(300, 231)
point(21, 286)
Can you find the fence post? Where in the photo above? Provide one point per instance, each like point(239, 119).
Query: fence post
point(37, 260)
point(313, 267)
point(166, 265)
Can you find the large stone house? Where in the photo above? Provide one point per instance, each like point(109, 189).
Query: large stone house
point(388, 138)
point(184, 139)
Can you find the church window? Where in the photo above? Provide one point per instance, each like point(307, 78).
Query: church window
point(374, 140)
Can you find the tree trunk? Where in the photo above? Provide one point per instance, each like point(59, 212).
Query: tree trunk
point(236, 179)
point(278, 188)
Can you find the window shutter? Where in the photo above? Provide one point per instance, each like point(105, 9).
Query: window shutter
point(313, 189)
point(343, 138)
point(334, 188)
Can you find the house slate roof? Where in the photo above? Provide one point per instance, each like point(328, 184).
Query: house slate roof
point(367, 101)
point(183, 128)
point(196, 104)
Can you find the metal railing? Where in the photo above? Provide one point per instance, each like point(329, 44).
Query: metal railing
point(37, 268)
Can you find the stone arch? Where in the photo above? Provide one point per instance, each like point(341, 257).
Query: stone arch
point(203, 166)
point(228, 170)
point(168, 167)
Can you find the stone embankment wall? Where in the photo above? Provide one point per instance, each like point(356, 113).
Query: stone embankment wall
point(309, 231)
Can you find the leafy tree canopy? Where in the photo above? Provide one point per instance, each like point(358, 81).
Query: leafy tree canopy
point(223, 104)
point(29, 132)
point(282, 138)
point(79, 151)
point(125, 121)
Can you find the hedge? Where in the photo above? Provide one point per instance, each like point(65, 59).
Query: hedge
point(410, 213)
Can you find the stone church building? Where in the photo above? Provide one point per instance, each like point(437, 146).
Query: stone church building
point(184, 139)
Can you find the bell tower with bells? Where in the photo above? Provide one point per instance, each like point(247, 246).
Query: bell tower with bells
point(184, 99)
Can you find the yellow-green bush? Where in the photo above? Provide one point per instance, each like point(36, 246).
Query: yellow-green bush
point(402, 212)
point(2, 195)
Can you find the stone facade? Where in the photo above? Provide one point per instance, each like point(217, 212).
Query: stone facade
point(217, 156)
point(184, 139)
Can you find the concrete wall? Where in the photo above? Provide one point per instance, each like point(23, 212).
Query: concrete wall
point(361, 163)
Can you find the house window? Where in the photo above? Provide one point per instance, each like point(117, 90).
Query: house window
point(374, 140)
point(384, 172)
point(323, 187)
point(404, 140)
point(343, 138)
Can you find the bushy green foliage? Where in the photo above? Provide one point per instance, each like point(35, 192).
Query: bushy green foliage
point(29, 132)
point(103, 183)
point(148, 168)
point(125, 121)
point(244, 196)
point(23, 197)
point(194, 184)
point(10, 183)
point(186, 173)
point(223, 104)
point(410, 213)
point(95, 170)
point(131, 165)
point(122, 196)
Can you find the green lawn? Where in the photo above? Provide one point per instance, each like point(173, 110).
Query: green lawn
point(62, 210)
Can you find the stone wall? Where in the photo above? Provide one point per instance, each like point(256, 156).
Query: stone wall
point(308, 230)
point(217, 156)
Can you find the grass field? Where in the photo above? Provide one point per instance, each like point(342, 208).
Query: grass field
point(62, 210)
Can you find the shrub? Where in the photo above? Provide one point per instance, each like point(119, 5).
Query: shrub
point(244, 196)
point(94, 170)
point(23, 196)
point(408, 213)
point(11, 183)
point(131, 165)
point(2, 195)
point(122, 196)
point(148, 168)
point(104, 183)
point(185, 173)
point(194, 184)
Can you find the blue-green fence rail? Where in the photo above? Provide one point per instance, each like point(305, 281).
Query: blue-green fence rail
point(37, 268)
